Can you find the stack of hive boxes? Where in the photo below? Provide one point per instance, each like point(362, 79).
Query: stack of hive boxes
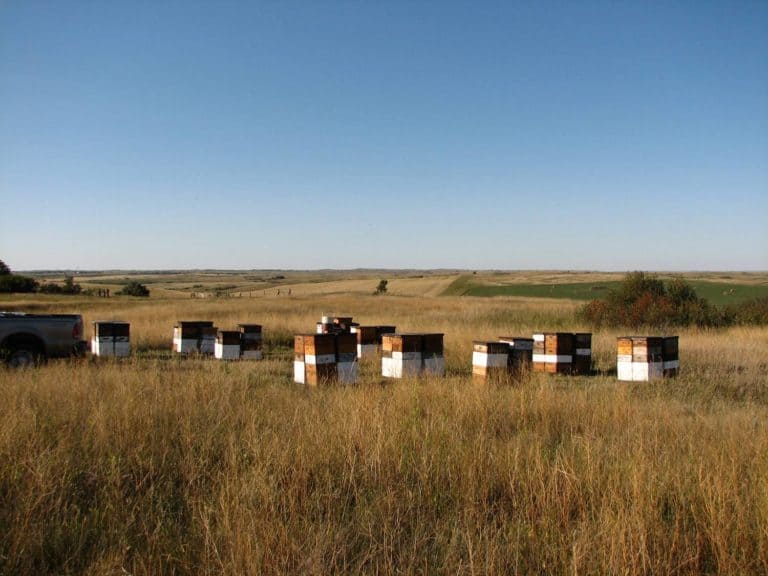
point(562, 352)
point(194, 336)
point(553, 352)
point(111, 339)
point(369, 339)
point(324, 358)
point(227, 345)
point(412, 354)
point(645, 358)
point(582, 357)
point(490, 360)
point(250, 341)
point(520, 353)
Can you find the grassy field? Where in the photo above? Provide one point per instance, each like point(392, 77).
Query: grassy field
point(718, 291)
point(156, 465)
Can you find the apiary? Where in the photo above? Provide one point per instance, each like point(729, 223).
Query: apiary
point(490, 360)
point(553, 352)
point(250, 341)
point(520, 352)
point(639, 358)
point(227, 345)
point(194, 336)
point(111, 339)
point(582, 354)
point(401, 355)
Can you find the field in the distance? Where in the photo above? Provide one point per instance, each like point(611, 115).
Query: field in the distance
point(156, 465)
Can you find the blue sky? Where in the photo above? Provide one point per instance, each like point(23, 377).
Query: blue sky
point(574, 135)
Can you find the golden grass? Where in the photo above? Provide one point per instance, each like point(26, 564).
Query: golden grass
point(157, 465)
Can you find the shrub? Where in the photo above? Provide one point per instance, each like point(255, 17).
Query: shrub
point(644, 300)
point(13, 283)
point(753, 311)
point(69, 287)
point(134, 288)
point(382, 287)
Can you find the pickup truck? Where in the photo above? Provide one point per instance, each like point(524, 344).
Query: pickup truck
point(29, 339)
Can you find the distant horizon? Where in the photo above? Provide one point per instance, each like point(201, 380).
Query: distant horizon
point(383, 269)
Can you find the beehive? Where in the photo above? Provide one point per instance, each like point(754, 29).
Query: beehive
point(670, 355)
point(432, 354)
point(401, 355)
point(582, 354)
point(194, 336)
point(227, 346)
point(314, 358)
point(111, 339)
point(250, 341)
point(639, 358)
point(346, 358)
point(553, 352)
point(490, 360)
point(520, 352)
point(369, 339)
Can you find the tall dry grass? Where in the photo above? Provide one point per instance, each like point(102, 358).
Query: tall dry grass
point(161, 466)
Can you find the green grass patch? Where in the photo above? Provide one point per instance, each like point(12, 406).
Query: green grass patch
point(462, 286)
point(718, 293)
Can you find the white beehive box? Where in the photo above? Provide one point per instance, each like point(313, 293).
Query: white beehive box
point(639, 358)
point(227, 345)
point(111, 339)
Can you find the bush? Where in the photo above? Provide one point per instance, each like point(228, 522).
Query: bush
point(644, 300)
point(134, 289)
point(753, 311)
point(382, 287)
point(13, 283)
point(69, 287)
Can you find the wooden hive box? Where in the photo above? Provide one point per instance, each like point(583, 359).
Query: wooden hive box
point(314, 358)
point(401, 355)
point(553, 352)
point(433, 357)
point(367, 340)
point(490, 360)
point(188, 336)
point(111, 338)
point(346, 357)
point(639, 358)
point(670, 355)
point(227, 346)
point(250, 341)
point(520, 352)
point(582, 354)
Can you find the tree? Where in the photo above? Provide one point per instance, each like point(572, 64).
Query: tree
point(4, 270)
point(13, 283)
point(134, 288)
point(382, 287)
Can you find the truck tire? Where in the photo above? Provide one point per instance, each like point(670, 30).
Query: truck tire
point(24, 358)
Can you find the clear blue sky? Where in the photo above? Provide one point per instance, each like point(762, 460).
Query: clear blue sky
point(579, 135)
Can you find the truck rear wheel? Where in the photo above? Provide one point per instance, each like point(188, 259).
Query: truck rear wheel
point(24, 358)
